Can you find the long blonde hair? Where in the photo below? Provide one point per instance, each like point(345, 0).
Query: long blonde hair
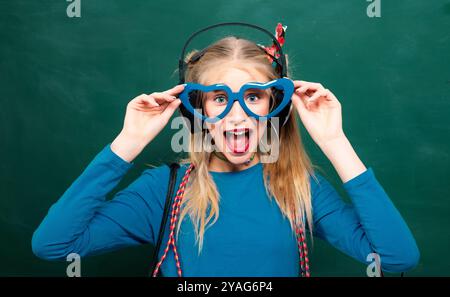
point(289, 175)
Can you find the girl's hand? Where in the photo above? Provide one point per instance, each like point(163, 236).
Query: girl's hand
point(146, 116)
point(319, 110)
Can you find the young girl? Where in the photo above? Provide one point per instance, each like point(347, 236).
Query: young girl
point(265, 208)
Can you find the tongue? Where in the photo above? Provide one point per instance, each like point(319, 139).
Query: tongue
point(237, 144)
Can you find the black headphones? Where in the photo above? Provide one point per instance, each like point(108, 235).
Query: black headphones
point(182, 66)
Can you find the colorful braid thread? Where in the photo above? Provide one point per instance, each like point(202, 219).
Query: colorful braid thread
point(301, 240)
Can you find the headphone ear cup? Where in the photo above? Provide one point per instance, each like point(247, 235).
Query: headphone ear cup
point(194, 123)
point(278, 95)
point(187, 117)
point(284, 113)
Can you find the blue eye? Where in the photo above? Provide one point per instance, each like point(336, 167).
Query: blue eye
point(220, 99)
point(252, 97)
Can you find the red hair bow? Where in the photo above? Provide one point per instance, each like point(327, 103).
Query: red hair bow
point(273, 50)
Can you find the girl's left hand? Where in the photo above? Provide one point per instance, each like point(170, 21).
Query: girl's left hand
point(319, 110)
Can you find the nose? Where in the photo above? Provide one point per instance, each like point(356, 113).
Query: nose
point(236, 114)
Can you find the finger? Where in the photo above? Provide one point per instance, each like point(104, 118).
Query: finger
point(170, 109)
point(303, 96)
point(302, 89)
point(162, 97)
point(298, 103)
point(175, 90)
point(331, 96)
point(147, 100)
point(319, 94)
point(308, 90)
point(314, 101)
point(313, 85)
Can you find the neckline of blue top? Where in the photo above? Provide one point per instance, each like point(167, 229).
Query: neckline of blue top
point(245, 171)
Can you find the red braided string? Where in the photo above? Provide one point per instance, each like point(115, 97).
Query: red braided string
point(303, 251)
point(301, 240)
point(173, 221)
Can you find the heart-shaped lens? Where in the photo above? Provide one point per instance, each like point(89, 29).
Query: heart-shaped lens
point(209, 103)
point(263, 101)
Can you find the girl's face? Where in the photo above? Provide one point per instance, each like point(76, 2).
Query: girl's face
point(236, 135)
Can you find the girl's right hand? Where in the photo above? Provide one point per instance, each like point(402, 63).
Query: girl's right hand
point(145, 117)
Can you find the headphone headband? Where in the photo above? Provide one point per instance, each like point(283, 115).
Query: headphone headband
point(182, 65)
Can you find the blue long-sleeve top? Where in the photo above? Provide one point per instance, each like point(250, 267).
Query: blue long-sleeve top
point(250, 237)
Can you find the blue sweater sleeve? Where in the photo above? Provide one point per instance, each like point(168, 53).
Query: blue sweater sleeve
point(82, 221)
point(370, 224)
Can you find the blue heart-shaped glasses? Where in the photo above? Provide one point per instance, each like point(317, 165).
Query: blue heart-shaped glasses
point(279, 92)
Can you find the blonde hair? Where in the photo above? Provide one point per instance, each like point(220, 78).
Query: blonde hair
point(289, 175)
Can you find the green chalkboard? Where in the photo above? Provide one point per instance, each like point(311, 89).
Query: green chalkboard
point(65, 82)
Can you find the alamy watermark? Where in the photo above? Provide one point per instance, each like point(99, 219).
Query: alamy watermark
point(374, 268)
point(268, 146)
point(74, 268)
point(74, 8)
point(374, 9)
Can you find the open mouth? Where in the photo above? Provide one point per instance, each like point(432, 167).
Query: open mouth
point(238, 140)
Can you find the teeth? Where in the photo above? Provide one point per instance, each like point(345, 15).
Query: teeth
point(236, 133)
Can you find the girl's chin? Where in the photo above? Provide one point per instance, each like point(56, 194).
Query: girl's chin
point(239, 160)
point(238, 156)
